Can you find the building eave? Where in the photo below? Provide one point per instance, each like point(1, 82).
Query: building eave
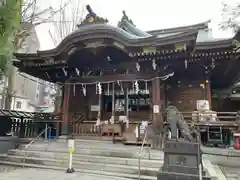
point(218, 44)
point(178, 38)
point(80, 36)
point(198, 26)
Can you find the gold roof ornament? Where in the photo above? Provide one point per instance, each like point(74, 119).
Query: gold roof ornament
point(91, 18)
point(126, 18)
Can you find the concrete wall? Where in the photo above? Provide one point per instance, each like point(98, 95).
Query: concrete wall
point(22, 104)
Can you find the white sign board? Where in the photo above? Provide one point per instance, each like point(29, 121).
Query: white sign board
point(202, 105)
point(143, 127)
point(71, 145)
point(155, 109)
point(95, 108)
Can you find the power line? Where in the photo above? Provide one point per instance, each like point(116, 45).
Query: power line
point(33, 80)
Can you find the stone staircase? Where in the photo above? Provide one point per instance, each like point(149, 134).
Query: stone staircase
point(228, 157)
point(94, 157)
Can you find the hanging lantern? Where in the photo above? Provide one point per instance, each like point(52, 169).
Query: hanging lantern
point(185, 64)
point(99, 88)
point(154, 65)
point(84, 89)
point(137, 66)
point(136, 85)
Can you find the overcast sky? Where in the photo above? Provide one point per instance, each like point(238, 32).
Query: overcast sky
point(146, 14)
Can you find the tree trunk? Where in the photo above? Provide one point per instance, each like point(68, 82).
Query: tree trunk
point(9, 93)
point(4, 93)
point(58, 101)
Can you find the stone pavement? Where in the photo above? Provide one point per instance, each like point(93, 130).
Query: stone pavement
point(231, 173)
point(12, 173)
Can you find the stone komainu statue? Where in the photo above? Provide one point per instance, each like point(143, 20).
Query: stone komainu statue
point(176, 121)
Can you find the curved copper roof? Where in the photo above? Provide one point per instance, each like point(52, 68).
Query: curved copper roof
point(100, 31)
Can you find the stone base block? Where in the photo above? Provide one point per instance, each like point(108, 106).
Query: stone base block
point(179, 176)
point(8, 142)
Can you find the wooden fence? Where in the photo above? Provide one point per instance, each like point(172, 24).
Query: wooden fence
point(225, 119)
point(28, 128)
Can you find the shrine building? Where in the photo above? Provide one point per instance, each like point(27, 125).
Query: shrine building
point(109, 73)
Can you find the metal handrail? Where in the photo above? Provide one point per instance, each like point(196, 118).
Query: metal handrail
point(139, 154)
point(33, 141)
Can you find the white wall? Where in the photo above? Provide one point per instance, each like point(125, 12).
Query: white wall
point(22, 104)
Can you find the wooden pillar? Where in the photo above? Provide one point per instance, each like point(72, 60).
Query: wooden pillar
point(126, 112)
point(208, 93)
point(65, 109)
point(113, 102)
point(156, 101)
point(100, 104)
point(157, 116)
point(22, 128)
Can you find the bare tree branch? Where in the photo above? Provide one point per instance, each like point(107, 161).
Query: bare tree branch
point(66, 21)
point(53, 13)
point(230, 16)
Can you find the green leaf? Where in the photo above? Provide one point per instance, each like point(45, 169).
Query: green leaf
point(10, 23)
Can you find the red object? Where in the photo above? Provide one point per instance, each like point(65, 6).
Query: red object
point(237, 141)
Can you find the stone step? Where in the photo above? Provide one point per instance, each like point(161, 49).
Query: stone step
point(77, 148)
point(86, 145)
point(127, 153)
point(7, 168)
point(82, 165)
point(82, 170)
point(229, 161)
point(221, 151)
point(89, 158)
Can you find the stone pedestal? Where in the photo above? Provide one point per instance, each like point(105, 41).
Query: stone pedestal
point(62, 138)
point(8, 142)
point(181, 161)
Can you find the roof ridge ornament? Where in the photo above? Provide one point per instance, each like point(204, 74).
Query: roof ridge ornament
point(91, 18)
point(125, 18)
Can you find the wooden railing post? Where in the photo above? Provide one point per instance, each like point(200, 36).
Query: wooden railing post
point(57, 130)
point(22, 128)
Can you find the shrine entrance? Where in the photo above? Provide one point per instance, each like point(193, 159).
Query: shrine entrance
point(117, 79)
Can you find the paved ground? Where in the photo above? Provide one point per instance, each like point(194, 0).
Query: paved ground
point(11, 173)
point(231, 173)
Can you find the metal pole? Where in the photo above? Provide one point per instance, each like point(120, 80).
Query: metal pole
point(139, 168)
point(200, 165)
point(199, 143)
point(71, 147)
point(50, 132)
point(46, 132)
point(70, 160)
